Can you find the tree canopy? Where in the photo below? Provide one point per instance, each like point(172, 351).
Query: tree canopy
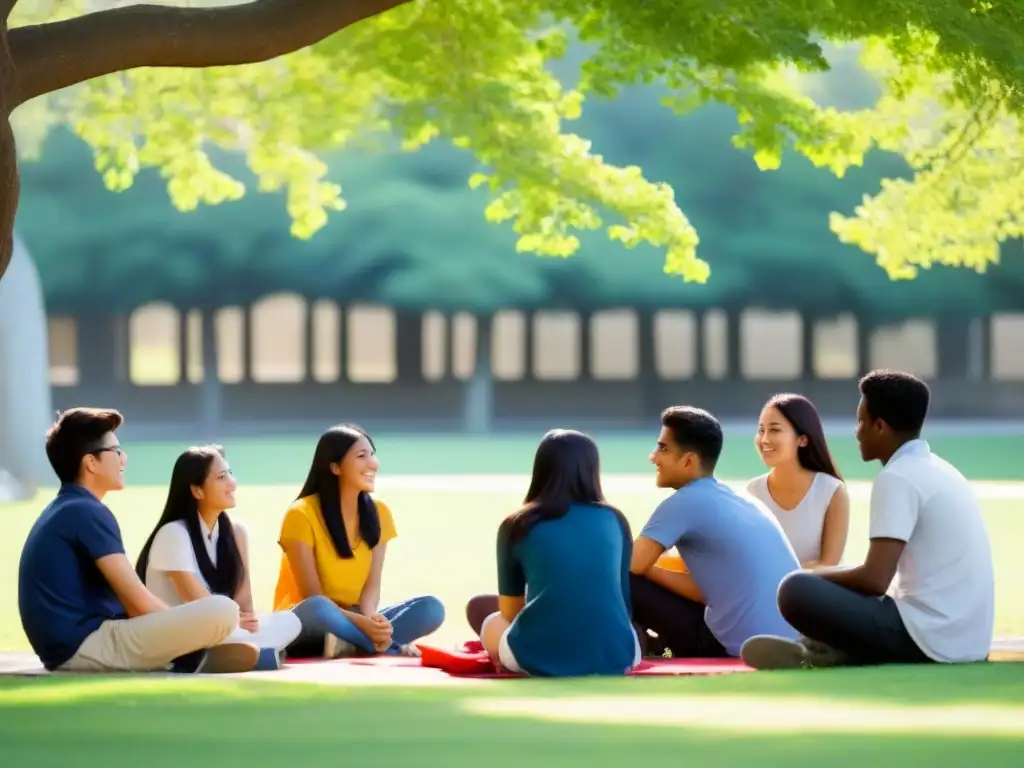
point(413, 236)
point(478, 73)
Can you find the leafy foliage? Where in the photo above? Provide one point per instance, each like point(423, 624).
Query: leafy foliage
point(413, 236)
point(479, 74)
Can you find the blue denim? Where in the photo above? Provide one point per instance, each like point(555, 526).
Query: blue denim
point(410, 620)
point(269, 659)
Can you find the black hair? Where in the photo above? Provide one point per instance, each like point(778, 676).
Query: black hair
point(897, 398)
point(192, 469)
point(806, 422)
point(566, 471)
point(694, 429)
point(331, 448)
point(75, 435)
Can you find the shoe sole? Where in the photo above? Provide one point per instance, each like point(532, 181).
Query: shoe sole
point(229, 659)
point(770, 653)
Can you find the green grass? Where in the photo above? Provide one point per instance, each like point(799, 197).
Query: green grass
point(136, 721)
point(881, 717)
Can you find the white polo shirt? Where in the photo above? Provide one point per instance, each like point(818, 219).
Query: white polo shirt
point(172, 551)
point(945, 583)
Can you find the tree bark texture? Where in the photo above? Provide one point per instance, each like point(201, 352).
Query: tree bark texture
point(43, 58)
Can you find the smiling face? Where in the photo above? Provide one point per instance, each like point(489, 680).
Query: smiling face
point(218, 490)
point(776, 440)
point(673, 467)
point(103, 467)
point(359, 467)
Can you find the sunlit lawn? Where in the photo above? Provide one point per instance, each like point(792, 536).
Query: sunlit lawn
point(446, 546)
point(880, 717)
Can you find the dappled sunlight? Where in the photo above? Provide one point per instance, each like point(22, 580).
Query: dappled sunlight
point(762, 715)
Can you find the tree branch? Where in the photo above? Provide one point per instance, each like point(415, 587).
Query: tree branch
point(48, 57)
point(10, 183)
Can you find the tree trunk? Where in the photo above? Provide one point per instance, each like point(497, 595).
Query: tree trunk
point(10, 184)
point(26, 408)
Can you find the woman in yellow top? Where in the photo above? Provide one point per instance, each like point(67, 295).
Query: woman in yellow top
point(333, 539)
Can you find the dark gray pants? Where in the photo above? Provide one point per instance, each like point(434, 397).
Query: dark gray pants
point(867, 629)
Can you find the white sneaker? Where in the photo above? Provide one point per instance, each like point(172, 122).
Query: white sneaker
point(336, 648)
point(409, 650)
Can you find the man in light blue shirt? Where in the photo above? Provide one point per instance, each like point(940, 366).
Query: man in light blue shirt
point(734, 550)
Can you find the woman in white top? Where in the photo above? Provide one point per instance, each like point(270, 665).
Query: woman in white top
point(803, 488)
point(197, 550)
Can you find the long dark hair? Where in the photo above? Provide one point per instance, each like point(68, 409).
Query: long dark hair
point(566, 471)
point(331, 448)
point(806, 422)
point(192, 469)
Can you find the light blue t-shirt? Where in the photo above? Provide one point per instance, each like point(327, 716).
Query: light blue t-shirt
point(735, 551)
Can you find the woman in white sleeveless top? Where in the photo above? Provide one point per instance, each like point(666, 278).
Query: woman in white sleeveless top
point(803, 488)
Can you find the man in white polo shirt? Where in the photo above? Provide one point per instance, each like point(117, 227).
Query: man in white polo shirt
point(926, 530)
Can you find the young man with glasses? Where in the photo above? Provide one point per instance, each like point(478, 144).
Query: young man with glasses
point(82, 605)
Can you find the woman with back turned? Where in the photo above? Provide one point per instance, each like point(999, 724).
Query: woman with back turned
point(563, 573)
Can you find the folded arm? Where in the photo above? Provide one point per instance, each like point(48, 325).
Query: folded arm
point(136, 599)
point(875, 575)
point(369, 598)
point(646, 552)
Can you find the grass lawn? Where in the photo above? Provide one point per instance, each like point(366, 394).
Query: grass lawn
point(446, 547)
point(877, 717)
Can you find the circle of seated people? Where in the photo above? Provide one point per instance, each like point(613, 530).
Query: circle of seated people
point(713, 573)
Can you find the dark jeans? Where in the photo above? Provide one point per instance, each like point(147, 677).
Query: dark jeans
point(867, 629)
point(678, 622)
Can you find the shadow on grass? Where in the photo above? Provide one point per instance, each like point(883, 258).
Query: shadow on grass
point(131, 720)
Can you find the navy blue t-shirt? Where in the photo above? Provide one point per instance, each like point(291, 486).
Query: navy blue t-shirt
point(62, 595)
point(574, 573)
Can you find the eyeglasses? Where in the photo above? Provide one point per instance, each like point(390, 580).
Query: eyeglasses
point(113, 448)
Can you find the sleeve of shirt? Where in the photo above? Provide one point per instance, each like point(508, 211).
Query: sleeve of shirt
point(172, 550)
point(296, 526)
point(511, 579)
point(894, 507)
point(387, 522)
point(98, 532)
point(671, 521)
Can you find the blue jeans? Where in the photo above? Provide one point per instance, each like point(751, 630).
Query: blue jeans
point(410, 620)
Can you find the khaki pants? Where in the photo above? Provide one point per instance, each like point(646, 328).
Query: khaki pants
point(151, 642)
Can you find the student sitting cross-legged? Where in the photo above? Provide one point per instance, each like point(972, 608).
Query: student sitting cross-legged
point(83, 607)
point(926, 589)
point(334, 539)
point(734, 549)
point(563, 573)
point(197, 550)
